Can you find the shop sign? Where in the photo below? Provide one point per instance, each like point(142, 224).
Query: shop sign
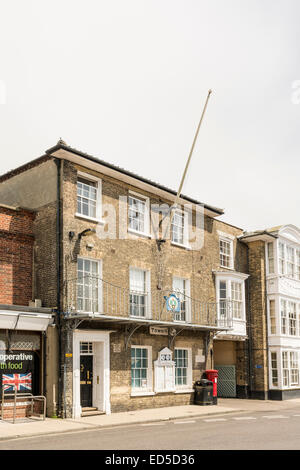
point(17, 371)
point(156, 330)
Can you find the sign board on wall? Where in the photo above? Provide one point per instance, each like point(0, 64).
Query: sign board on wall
point(156, 330)
point(164, 372)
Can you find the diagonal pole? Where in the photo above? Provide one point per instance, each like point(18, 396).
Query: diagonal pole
point(185, 170)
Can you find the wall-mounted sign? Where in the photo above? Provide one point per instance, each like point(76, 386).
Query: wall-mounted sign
point(69, 354)
point(172, 303)
point(117, 347)
point(165, 355)
point(156, 330)
point(164, 372)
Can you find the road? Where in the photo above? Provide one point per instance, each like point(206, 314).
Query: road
point(239, 431)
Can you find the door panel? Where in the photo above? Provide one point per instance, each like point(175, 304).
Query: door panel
point(86, 381)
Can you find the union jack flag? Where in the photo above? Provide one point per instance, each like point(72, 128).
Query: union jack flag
point(22, 382)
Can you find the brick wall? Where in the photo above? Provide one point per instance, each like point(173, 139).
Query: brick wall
point(257, 319)
point(16, 255)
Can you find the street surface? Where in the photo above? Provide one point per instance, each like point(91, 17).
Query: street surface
point(261, 430)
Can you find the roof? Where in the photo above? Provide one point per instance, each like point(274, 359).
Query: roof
point(61, 145)
point(259, 234)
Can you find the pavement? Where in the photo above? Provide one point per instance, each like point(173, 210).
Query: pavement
point(36, 427)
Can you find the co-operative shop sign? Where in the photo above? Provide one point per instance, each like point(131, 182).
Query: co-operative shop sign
point(16, 371)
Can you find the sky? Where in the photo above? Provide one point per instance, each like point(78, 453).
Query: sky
point(126, 81)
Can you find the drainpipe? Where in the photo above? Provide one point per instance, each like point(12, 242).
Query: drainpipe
point(250, 365)
point(58, 261)
point(267, 323)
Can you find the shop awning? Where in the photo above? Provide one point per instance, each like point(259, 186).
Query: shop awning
point(33, 321)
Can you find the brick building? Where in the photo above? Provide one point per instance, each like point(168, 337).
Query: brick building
point(112, 262)
point(22, 322)
point(274, 312)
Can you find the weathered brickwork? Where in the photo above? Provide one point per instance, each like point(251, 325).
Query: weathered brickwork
point(16, 249)
point(257, 320)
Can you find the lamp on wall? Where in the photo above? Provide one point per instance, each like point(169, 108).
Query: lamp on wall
point(86, 232)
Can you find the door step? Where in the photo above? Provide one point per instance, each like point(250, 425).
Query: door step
point(89, 411)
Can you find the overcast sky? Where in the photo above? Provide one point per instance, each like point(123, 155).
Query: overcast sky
point(126, 81)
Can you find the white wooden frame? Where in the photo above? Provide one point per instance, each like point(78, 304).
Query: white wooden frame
point(101, 400)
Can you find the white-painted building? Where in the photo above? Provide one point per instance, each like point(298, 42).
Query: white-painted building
point(282, 294)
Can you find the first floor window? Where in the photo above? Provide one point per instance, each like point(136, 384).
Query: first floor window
point(237, 300)
point(180, 287)
point(88, 285)
point(181, 367)
point(223, 298)
point(274, 369)
point(231, 299)
point(283, 314)
point(139, 367)
point(138, 293)
point(292, 318)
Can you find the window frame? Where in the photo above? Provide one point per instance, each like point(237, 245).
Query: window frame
point(184, 214)
point(99, 300)
point(189, 369)
point(187, 294)
point(146, 293)
point(98, 181)
point(136, 391)
point(228, 283)
point(146, 201)
point(226, 238)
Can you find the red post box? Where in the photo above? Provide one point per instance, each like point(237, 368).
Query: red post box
point(212, 375)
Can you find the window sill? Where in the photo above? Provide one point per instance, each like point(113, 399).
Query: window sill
point(139, 234)
point(180, 245)
point(226, 267)
point(185, 390)
point(141, 394)
point(90, 219)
